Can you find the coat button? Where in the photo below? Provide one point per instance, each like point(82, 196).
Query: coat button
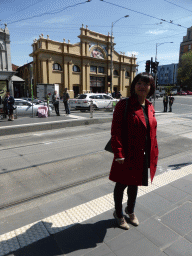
point(155, 126)
point(156, 146)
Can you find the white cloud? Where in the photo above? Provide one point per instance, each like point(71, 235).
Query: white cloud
point(156, 32)
point(131, 53)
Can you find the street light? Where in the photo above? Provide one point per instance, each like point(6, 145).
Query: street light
point(158, 44)
point(113, 23)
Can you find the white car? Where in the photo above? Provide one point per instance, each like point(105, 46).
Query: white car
point(24, 107)
point(100, 100)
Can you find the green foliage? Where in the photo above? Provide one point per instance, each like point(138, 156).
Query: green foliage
point(185, 70)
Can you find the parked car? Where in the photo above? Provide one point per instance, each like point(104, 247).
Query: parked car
point(100, 100)
point(24, 107)
point(189, 92)
point(182, 93)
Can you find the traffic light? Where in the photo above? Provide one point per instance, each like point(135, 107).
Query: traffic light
point(156, 82)
point(154, 66)
point(109, 79)
point(147, 67)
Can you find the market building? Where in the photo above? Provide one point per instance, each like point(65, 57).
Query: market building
point(82, 67)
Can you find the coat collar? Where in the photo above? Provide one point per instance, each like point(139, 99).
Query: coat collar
point(139, 111)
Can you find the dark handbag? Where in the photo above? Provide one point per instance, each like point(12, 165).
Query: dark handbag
point(108, 146)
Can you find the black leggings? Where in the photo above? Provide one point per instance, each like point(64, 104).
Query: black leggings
point(118, 197)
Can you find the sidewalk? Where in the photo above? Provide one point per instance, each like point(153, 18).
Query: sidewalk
point(29, 124)
point(83, 224)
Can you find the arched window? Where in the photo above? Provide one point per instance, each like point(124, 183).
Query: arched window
point(76, 68)
point(57, 66)
point(127, 73)
point(115, 73)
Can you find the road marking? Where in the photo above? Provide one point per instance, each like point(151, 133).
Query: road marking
point(33, 232)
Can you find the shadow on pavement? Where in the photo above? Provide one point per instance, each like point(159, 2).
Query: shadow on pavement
point(78, 238)
point(179, 166)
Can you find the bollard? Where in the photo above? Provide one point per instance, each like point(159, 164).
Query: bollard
point(91, 109)
point(113, 105)
point(16, 113)
point(69, 103)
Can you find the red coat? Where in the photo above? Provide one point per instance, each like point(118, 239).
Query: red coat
point(134, 137)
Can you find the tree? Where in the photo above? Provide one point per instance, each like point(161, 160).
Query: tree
point(184, 76)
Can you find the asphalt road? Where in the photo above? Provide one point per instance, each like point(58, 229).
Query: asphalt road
point(39, 162)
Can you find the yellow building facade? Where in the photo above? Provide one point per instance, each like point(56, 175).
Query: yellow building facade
point(82, 67)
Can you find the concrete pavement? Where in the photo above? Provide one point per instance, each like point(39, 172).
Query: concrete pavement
point(83, 224)
point(28, 124)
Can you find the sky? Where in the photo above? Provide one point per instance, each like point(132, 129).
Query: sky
point(150, 23)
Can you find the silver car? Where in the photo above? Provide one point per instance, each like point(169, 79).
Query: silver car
point(25, 107)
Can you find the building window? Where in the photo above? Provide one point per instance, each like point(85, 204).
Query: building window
point(101, 70)
point(57, 66)
point(93, 69)
point(127, 74)
point(76, 68)
point(115, 73)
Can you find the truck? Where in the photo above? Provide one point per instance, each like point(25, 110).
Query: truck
point(44, 89)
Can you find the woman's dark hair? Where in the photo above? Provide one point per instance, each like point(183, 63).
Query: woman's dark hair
point(145, 77)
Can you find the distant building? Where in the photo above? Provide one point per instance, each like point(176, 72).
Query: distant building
point(82, 67)
point(6, 72)
point(186, 45)
point(167, 74)
point(25, 72)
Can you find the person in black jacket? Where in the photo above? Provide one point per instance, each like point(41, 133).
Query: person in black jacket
point(66, 101)
point(171, 100)
point(8, 106)
point(55, 100)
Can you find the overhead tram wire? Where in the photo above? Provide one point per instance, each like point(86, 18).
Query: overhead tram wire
point(47, 13)
point(177, 5)
point(123, 7)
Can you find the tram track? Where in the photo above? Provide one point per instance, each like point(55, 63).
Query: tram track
point(28, 199)
point(74, 184)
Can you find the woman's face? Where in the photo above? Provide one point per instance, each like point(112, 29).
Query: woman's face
point(142, 88)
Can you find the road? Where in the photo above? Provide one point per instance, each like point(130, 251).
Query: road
point(40, 163)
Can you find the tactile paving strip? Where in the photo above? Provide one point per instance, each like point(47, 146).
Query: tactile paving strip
point(29, 234)
point(57, 222)
point(8, 243)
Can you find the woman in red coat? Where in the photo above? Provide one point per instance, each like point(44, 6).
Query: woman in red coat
point(134, 145)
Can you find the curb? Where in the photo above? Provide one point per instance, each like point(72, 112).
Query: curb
point(26, 128)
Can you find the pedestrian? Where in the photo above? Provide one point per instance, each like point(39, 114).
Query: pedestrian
point(8, 104)
point(171, 100)
point(55, 100)
point(114, 94)
point(134, 145)
point(119, 96)
point(165, 102)
point(66, 101)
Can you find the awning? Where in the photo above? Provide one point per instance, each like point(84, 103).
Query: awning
point(17, 79)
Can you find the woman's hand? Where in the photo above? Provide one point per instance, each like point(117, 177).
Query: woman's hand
point(120, 161)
